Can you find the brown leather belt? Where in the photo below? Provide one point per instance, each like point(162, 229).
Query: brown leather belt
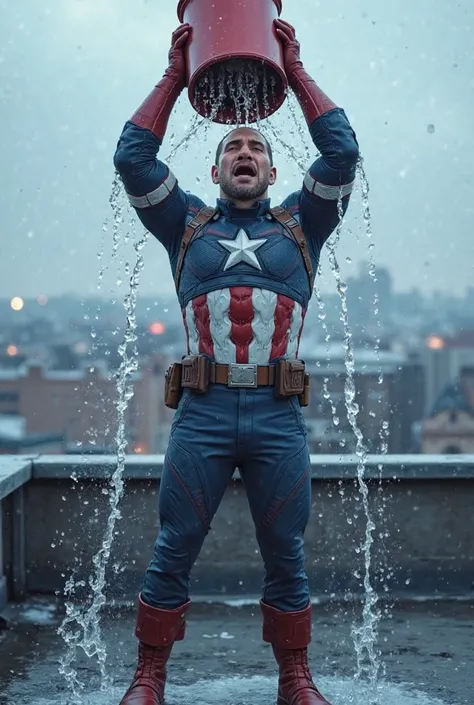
point(287, 375)
point(242, 375)
point(197, 372)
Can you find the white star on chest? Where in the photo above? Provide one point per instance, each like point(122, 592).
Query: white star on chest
point(242, 249)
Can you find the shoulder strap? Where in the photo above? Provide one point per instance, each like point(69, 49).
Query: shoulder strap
point(201, 219)
point(294, 229)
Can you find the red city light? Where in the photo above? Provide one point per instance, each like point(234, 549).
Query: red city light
point(156, 328)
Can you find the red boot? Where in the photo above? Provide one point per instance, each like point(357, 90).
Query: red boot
point(289, 633)
point(157, 630)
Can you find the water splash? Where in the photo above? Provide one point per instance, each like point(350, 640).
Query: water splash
point(122, 218)
point(384, 431)
point(384, 572)
point(366, 634)
point(271, 130)
point(260, 690)
point(235, 91)
point(301, 161)
point(297, 121)
point(365, 190)
point(119, 204)
point(327, 339)
point(81, 628)
point(197, 124)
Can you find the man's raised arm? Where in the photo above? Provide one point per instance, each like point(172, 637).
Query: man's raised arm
point(332, 175)
point(152, 188)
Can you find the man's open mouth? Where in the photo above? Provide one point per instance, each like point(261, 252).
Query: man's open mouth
point(244, 170)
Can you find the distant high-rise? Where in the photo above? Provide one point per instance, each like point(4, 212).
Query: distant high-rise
point(370, 298)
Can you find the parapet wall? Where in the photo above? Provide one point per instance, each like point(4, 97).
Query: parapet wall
point(421, 506)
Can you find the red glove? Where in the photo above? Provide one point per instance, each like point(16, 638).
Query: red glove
point(155, 112)
point(313, 101)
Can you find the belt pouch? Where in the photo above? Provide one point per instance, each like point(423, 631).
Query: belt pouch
point(304, 397)
point(173, 388)
point(195, 372)
point(290, 378)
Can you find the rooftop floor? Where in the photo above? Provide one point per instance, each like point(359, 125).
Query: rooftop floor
point(427, 649)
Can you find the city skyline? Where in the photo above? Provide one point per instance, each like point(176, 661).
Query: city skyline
point(68, 88)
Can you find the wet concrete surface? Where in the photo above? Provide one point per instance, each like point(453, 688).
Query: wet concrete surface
point(427, 653)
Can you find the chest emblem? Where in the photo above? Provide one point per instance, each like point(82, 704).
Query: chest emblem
point(242, 249)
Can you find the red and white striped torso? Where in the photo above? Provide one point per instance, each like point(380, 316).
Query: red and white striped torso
point(243, 324)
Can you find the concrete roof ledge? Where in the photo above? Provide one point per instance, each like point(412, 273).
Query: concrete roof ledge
point(323, 467)
point(15, 471)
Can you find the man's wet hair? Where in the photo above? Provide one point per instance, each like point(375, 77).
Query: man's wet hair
point(220, 146)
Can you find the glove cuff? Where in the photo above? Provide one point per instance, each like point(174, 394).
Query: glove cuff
point(154, 113)
point(313, 101)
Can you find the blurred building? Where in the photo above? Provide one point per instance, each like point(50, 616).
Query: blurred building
point(389, 394)
point(444, 358)
point(80, 406)
point(15, 440)
point(449, 428)
point(370, 298)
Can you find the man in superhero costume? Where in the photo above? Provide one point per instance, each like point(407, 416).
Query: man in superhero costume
point(244, 275)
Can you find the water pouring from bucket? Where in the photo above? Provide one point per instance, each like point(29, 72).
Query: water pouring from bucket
point(234, 59)
point(229, 83)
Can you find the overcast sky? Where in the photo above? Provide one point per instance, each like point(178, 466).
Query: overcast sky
point(73, 71)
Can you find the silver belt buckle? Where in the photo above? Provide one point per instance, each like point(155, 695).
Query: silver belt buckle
point(242, 376)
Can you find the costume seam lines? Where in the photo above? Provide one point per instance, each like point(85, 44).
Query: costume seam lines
point(274, 512)
point(202, 515)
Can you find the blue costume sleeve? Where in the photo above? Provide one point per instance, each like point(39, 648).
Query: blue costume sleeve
point(153, 190)
point(331, 176)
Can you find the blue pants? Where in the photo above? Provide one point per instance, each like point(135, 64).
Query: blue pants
point(212, 434)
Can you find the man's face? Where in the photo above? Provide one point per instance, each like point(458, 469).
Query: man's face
point(244, 172)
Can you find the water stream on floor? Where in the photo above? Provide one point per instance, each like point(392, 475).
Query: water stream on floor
point(365, 635)
point(81, 627)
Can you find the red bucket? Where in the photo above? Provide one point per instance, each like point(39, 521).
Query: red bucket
point(235, 62)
